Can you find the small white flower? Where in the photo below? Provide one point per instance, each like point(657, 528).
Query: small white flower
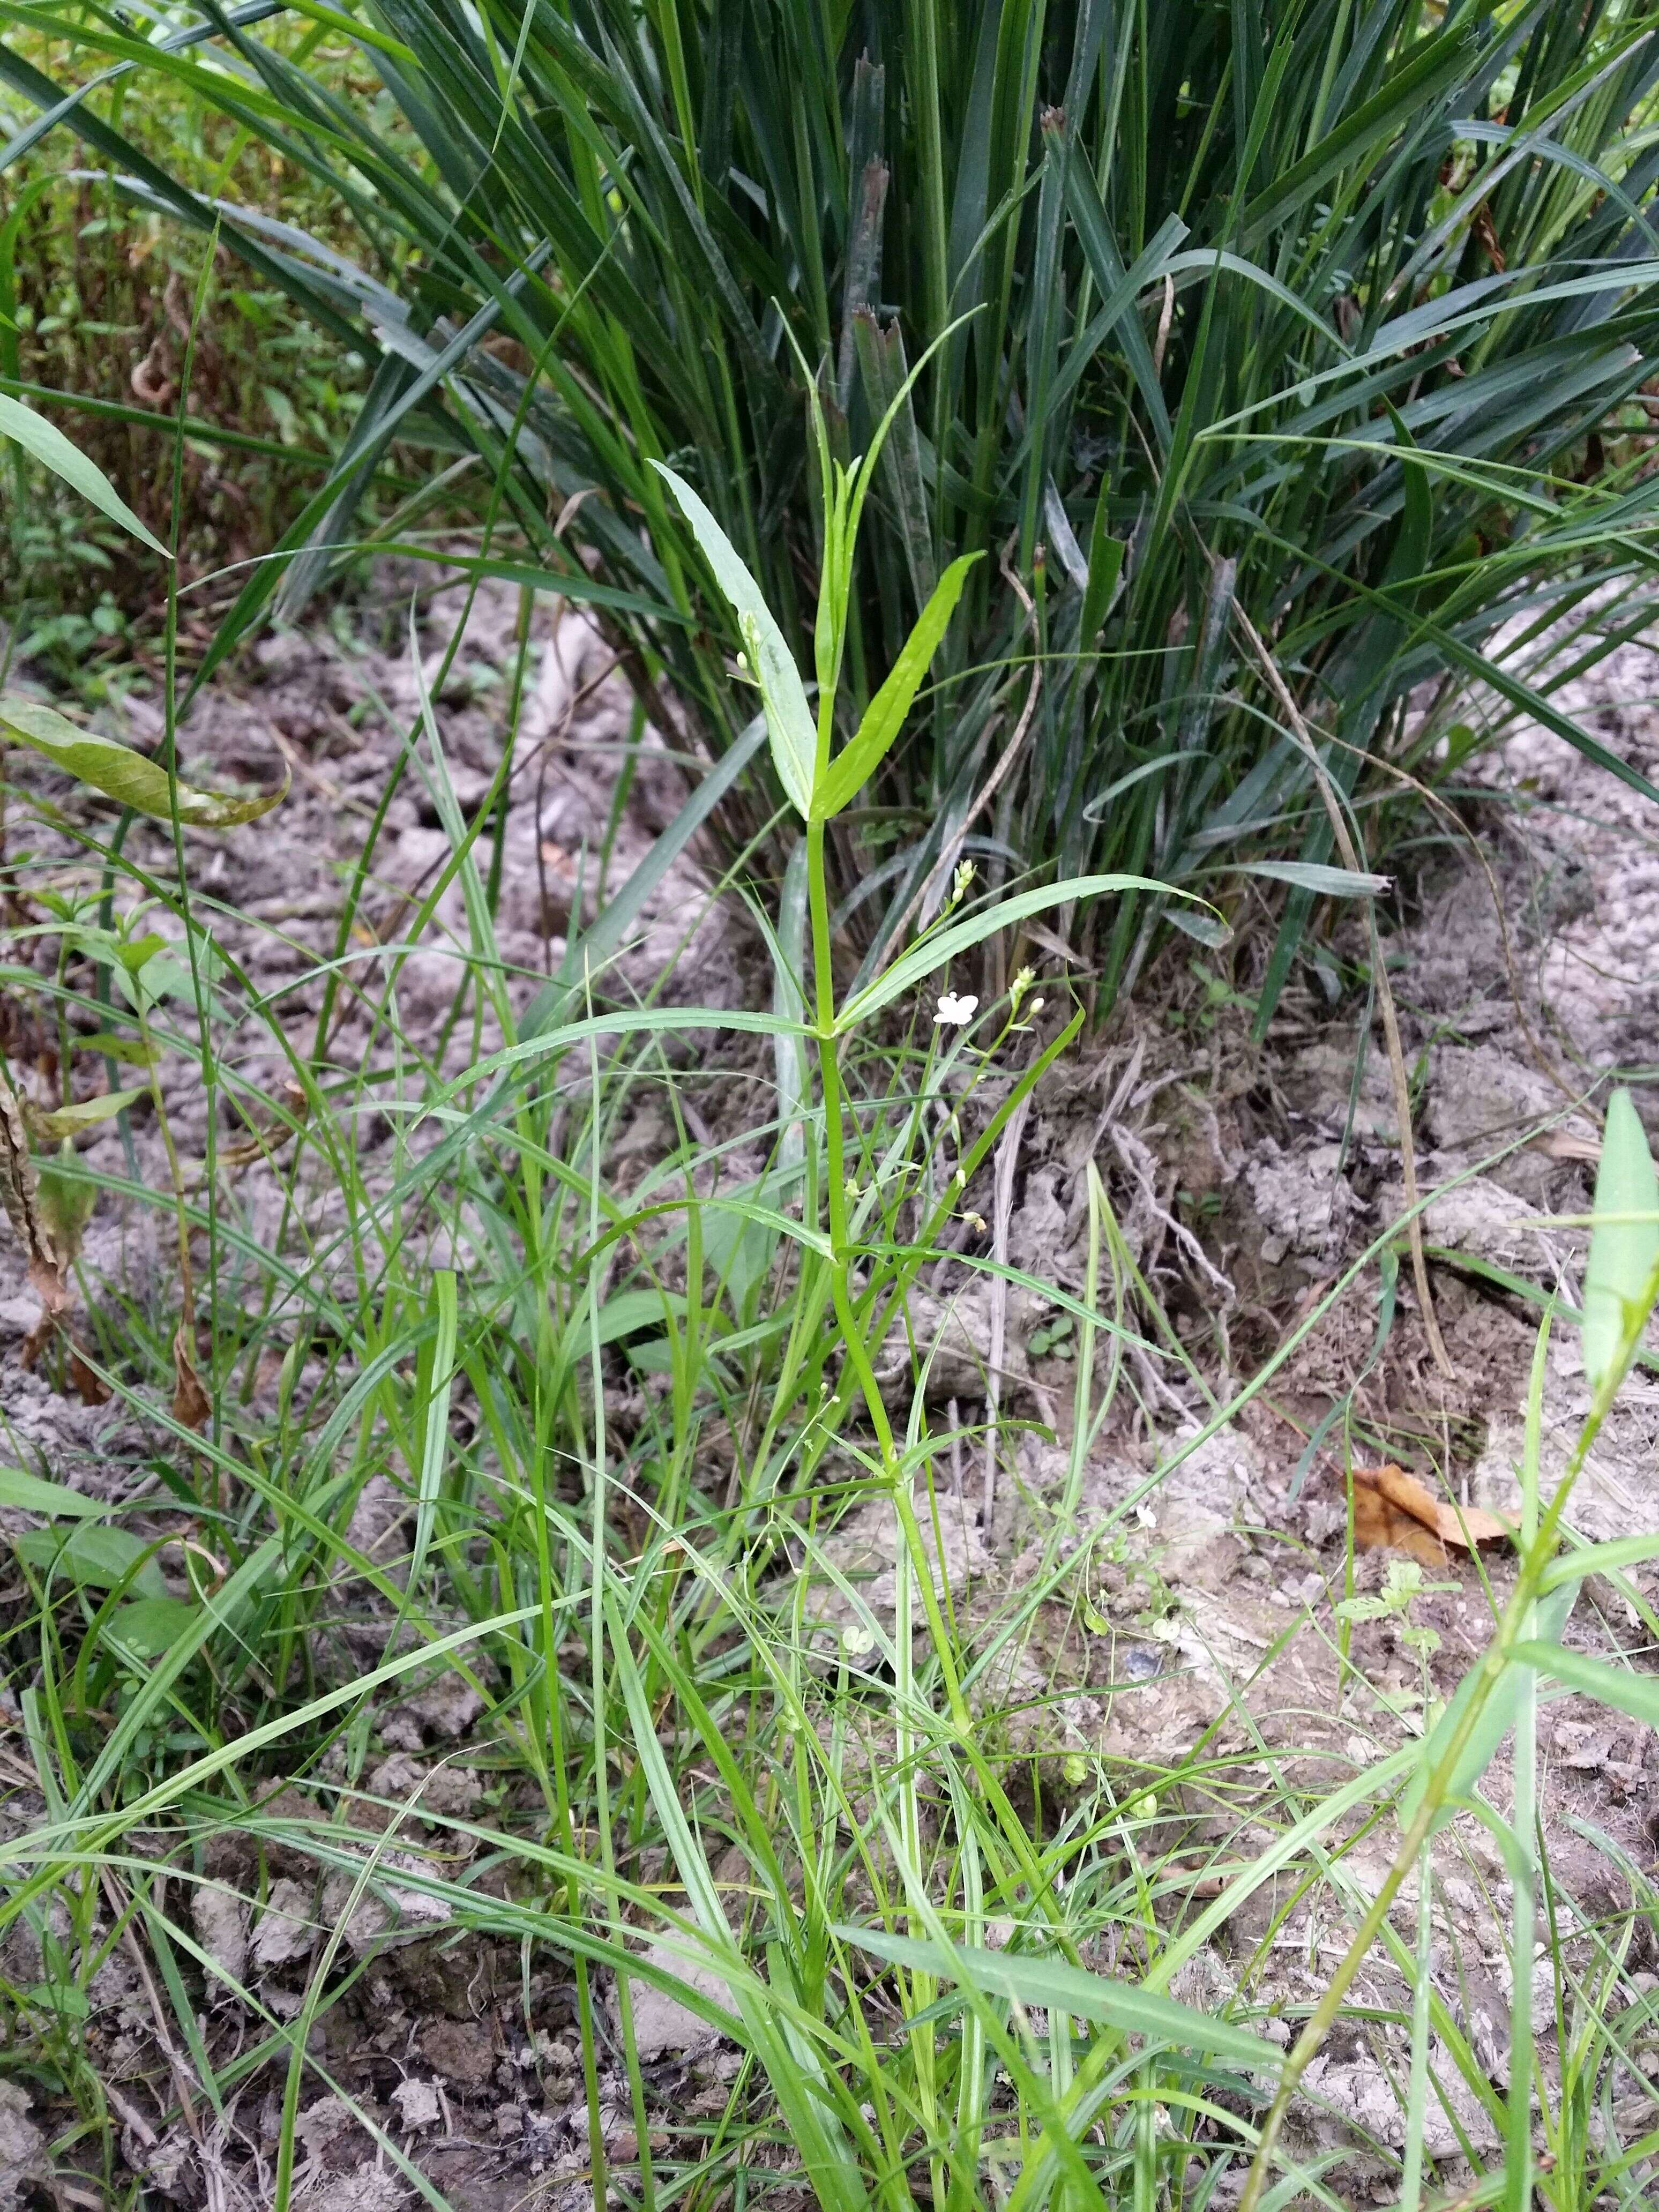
point(953, 1011)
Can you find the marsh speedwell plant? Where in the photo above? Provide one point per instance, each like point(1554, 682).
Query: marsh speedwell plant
point(826, 1846)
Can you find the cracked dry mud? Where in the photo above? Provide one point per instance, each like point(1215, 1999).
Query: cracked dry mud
point(1192, 1650)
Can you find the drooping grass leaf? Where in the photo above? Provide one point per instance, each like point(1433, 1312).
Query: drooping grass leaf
point(1053, 1984)
point(46, 443)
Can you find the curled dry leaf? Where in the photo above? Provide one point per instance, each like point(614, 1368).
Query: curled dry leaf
point(191, 1408)
point(49, 1211)
point(20, 1192)
point(1379, 1526)
point(1393, 1509)
point(88, 1388)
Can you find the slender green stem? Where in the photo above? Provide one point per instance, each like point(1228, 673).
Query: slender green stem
point(857, 1351)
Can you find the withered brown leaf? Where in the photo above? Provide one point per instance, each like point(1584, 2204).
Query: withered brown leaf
point(191, 1407)
point(19, 1192)
point(1395, 1509)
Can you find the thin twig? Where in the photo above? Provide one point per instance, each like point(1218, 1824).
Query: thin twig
point(1402, 1098)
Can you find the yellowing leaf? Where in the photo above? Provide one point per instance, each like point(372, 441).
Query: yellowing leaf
point(70, 1121)
point(121, 773)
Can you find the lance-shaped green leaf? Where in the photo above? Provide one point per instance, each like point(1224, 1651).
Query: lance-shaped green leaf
point(96, 1558)
point(1497, 1716)
point(1105, 570)
point(1609, 1559)
point(884, 718)
point(788, 717)
point(1621, 1687)
point(129, 777)
point(1624, 1240)
point(47, 443)
point(1313, 876)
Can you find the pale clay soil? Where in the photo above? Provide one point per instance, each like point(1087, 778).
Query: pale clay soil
point(1243, 1193)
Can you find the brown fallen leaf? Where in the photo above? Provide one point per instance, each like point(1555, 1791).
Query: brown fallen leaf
point(1380, 1526)
point(1395, 1503)
point(92, 1390)
point(49, 1211)
point(191, 1404)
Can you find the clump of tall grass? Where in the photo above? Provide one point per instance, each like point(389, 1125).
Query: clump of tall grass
point(1331, 316)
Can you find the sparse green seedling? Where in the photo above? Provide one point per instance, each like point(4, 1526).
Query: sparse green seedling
point(1052, 1340)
